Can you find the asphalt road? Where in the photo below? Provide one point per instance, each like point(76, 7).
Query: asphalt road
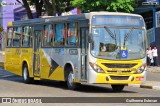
point(13, 86)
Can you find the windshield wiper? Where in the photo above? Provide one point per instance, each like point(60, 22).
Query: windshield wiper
point(110, 32)
point(127, 35)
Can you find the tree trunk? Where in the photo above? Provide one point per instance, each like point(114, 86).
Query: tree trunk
point(38, 7)
point(54, 7)
point(26, 5)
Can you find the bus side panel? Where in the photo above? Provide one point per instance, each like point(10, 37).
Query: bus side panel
point(52, 64)
point(27, 57)
point(8, 60)
point(16, 61)
point(45, 66)
point(72, 57)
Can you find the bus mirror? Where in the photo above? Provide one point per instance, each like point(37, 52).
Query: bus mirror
point(90, 38)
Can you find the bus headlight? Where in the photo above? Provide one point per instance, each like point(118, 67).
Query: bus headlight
point(96, 68)
point(141, 69)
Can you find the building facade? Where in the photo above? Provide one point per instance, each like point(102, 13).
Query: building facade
point(6, 15)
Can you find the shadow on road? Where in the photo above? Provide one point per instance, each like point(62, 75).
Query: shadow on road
point(62, 85)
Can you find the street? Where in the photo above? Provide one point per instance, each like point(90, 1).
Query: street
point(13, 86)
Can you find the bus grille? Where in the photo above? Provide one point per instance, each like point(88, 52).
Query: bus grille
point(119, 77)
point(119, 65)
point(124, 72)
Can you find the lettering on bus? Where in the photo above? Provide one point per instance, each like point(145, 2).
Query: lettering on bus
point(59, 19)
point(24, 51)
point(17, 51)
point(73, 52)
point(47, 20)
point(58, 50)
point(117, 20)
point(124, 69)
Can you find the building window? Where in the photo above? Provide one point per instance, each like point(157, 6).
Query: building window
point(151, 35)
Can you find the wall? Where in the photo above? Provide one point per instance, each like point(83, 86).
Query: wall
point(7, 13)
point(157, 42)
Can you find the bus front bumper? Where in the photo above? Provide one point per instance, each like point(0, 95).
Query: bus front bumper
point(120, 79)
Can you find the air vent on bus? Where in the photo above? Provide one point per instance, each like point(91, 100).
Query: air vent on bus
point(119, 77)
point(123, 72)
point(109, 65)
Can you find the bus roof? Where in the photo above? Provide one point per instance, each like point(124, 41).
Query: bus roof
point(68, 18)
point(51, 19)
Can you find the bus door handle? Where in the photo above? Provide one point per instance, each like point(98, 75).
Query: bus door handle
point(83, 54)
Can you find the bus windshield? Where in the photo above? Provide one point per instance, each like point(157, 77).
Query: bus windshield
point(118, 42)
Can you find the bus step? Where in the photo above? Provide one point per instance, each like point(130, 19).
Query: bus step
point(37, 78)
point(83, 81)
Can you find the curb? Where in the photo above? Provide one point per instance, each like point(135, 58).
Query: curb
point(145, 86)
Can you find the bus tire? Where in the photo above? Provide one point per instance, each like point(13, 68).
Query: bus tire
point(117, 88)
point(25, 75)
point(70, 81)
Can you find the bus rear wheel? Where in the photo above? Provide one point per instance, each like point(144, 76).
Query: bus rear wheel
point(117, 88)
point(25, 75)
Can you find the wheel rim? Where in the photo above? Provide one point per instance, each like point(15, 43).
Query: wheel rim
point(25, 74)
point(70, 78)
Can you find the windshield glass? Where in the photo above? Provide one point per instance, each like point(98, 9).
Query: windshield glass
point(118, 43)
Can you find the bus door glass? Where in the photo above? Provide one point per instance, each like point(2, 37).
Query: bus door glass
point(83, 43)
point(36, 52)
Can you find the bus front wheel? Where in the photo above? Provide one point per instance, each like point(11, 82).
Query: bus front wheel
point(25, 75)
point(117, 88)
point(70, 81)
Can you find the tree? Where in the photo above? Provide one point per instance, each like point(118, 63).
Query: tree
point(50, 6)
point(26, 5)
point(105, 5)
point(57, 6)
point(38, 4)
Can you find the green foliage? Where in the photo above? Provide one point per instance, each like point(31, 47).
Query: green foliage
point(105, 5)
point(49, 6)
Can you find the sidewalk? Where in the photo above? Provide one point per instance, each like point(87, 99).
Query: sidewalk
point(154, 84)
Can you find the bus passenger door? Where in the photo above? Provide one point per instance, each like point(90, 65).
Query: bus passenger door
point(36, 53)
point(83, 43)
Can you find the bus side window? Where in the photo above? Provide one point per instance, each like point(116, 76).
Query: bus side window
point(9, 37)
point(59, 35)
point(26, 36)
point(47, 35)
point(16, 37)
point(72, 38)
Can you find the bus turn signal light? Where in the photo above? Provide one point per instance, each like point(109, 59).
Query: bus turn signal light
point(140, 78)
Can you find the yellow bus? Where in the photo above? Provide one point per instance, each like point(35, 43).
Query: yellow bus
point(91, 48)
